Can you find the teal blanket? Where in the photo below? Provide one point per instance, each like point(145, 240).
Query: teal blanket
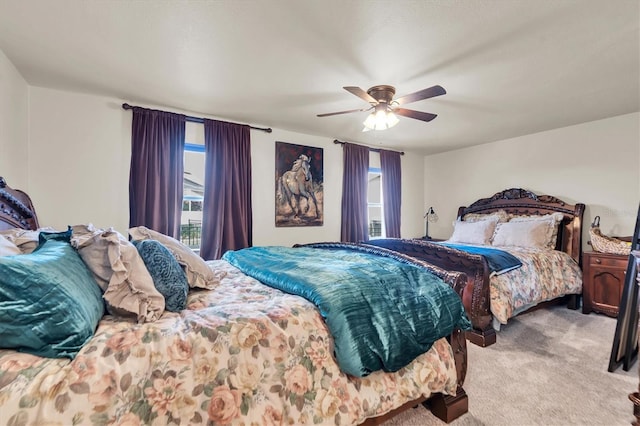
point(498, 261)
point(382, 312)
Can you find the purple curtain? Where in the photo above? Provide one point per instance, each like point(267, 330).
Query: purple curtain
point(354, 193)
point(157, 167)
point(226, 222)
point(391, 191)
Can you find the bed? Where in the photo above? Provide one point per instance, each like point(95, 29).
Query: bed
point(491, 300)
point(239, 353)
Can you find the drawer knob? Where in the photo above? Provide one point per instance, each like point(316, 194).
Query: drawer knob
point(598, 260)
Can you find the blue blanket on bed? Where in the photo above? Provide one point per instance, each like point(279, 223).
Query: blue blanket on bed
point(381, 312)
point(499, 261)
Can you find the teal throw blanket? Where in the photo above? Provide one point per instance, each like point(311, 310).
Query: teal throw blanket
point(499, 261)
point(382, 312)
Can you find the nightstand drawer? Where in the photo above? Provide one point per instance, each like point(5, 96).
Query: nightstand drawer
point(608, 261)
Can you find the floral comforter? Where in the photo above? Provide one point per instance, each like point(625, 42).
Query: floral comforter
point(544, 275)
point(242, 353)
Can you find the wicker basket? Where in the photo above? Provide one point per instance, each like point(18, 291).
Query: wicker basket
point(605, 244)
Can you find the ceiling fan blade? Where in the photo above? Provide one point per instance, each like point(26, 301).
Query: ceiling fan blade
point(361, 94)
point(418, 115)
point(342, 112)
point(421, 94)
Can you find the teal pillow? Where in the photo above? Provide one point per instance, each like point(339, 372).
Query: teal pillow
point(45, 236)
point(50, 304)
point(167, 274)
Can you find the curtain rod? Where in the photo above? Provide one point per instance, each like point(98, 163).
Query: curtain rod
point(336, 141)
point(200, 120)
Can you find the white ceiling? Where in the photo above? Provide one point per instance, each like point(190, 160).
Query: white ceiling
point(510, 67)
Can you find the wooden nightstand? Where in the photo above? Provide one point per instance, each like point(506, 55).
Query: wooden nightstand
point(602, 282)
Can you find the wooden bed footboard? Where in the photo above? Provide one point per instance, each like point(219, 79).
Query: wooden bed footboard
point(475, 294)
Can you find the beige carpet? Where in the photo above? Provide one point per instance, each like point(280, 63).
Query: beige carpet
point(548, 367)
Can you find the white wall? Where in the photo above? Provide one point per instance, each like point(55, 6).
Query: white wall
point(595, 163)
point(79, 170)
point(79, 159)
point(14, 95)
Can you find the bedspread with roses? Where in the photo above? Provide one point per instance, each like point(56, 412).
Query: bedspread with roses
point(544, 275)
point(242, 353)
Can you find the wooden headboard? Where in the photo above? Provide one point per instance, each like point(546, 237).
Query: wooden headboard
point(16, 209)
point(523, 202)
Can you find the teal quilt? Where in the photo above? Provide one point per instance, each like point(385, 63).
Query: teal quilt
point(382, 312)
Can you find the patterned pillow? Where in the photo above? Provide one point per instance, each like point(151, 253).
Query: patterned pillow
point(199, 274)
point(500, 215)
point(168, 276)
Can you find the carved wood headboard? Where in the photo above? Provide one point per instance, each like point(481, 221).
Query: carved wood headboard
point(16, 209)
point(522, 202)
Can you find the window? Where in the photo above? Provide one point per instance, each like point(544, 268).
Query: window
point(193, 189)
point(375, 214)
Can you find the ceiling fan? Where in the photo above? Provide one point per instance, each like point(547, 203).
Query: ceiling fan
point(384, 108)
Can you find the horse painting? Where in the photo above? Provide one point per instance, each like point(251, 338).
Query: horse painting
point(296, 184)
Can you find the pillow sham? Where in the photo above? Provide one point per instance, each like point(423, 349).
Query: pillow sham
point(500, 215)
point(479, 232)
point(8, 248)
point(27, 240)
point(529, 234)
point(199, 274)
point(50, 305)
point(555, 218)
point(120, 272)
point(168, 276)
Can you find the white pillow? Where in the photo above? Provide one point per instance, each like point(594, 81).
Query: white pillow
point(473, 232)
point(555, 218)
point(8, 248)
point(530, 233)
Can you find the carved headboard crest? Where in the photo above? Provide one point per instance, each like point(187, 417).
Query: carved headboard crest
point(16, 208)
point(516, 194)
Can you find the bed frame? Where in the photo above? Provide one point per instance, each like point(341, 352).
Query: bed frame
point(475, 296)
point(17, 211)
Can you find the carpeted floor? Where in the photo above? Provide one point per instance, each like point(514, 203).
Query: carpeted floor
point(548, 367)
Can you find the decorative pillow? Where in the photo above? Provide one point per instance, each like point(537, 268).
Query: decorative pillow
point(500, 215)
point(120, 272)
point(26, 239)
point(198, 273)
point(50, 304)
point(45, 236)
point(530, 234)
point(556, 218)
point(473, 232)
point(167, 274)
point(8, 248)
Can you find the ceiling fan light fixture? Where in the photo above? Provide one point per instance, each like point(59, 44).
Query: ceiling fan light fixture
point(392, 119)
point(380, 119)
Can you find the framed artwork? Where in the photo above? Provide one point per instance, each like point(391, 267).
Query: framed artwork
point(299, 188)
